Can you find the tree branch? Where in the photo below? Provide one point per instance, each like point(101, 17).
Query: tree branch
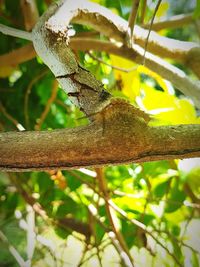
point(116, 27)
point(150, 28)
point(15, 32)
point(103, 188)
point(99, 143)
point(30, 13)
point(133, 16)
point(113, 26)
point(18, 56)
point(174, 22)
point(169, 72)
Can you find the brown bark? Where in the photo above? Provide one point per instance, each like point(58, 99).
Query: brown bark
point(117, 136)
point(30, 13)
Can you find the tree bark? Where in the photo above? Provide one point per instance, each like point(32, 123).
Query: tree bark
point(116, 136)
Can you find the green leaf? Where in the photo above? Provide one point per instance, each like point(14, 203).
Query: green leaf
point(69, 206)
point(195, 260)
point(175, 198)
point(100, 232)
point(196, 13)
point(161, 189)
point(63, 233)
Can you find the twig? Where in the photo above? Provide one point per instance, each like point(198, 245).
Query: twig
point(144, 228)
point(12, 250)
point(111, 236)
point(139, 225)
point(15, 32)
point(174, 22)
point(30, 13)
point(28, 91)
point(143, 11)
point(48, 105)
point(92, 255)
point(104, 190)
point(133, 16)
point(9, 117)
point(150, 28)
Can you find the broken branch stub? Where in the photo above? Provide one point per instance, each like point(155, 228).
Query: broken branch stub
point(52, 45)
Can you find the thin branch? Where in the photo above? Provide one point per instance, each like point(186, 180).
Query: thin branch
point(103, 188)
point(17, 56)
point(174, 22)
point(133, 16)
point(144, 228)
point(12, 250)
point(143, 11)
point(150, 28)
point(10, 118)
point(66, 223)
point(111, 236)
point(139, 224)
point(48, 105)
point(28, 91)
point(30, 13)
point(15, 32)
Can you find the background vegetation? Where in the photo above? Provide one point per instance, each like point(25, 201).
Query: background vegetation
point(72, 218)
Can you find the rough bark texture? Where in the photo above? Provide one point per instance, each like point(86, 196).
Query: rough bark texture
point(117, 136)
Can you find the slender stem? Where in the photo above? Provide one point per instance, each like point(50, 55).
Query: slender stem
point(30, 13)
point(10, 118)
point(133, 15)
point(174, 22)
point(144, 228)
point(15, 32)
point(104, 190)
point(28, 91)
point(143, 11)
point(150, 28)
point(48, 105)
point(12, 250)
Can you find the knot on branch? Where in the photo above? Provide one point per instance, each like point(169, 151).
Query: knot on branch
point(120, 114)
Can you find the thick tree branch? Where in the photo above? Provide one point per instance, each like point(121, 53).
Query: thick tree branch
point(116, 137)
